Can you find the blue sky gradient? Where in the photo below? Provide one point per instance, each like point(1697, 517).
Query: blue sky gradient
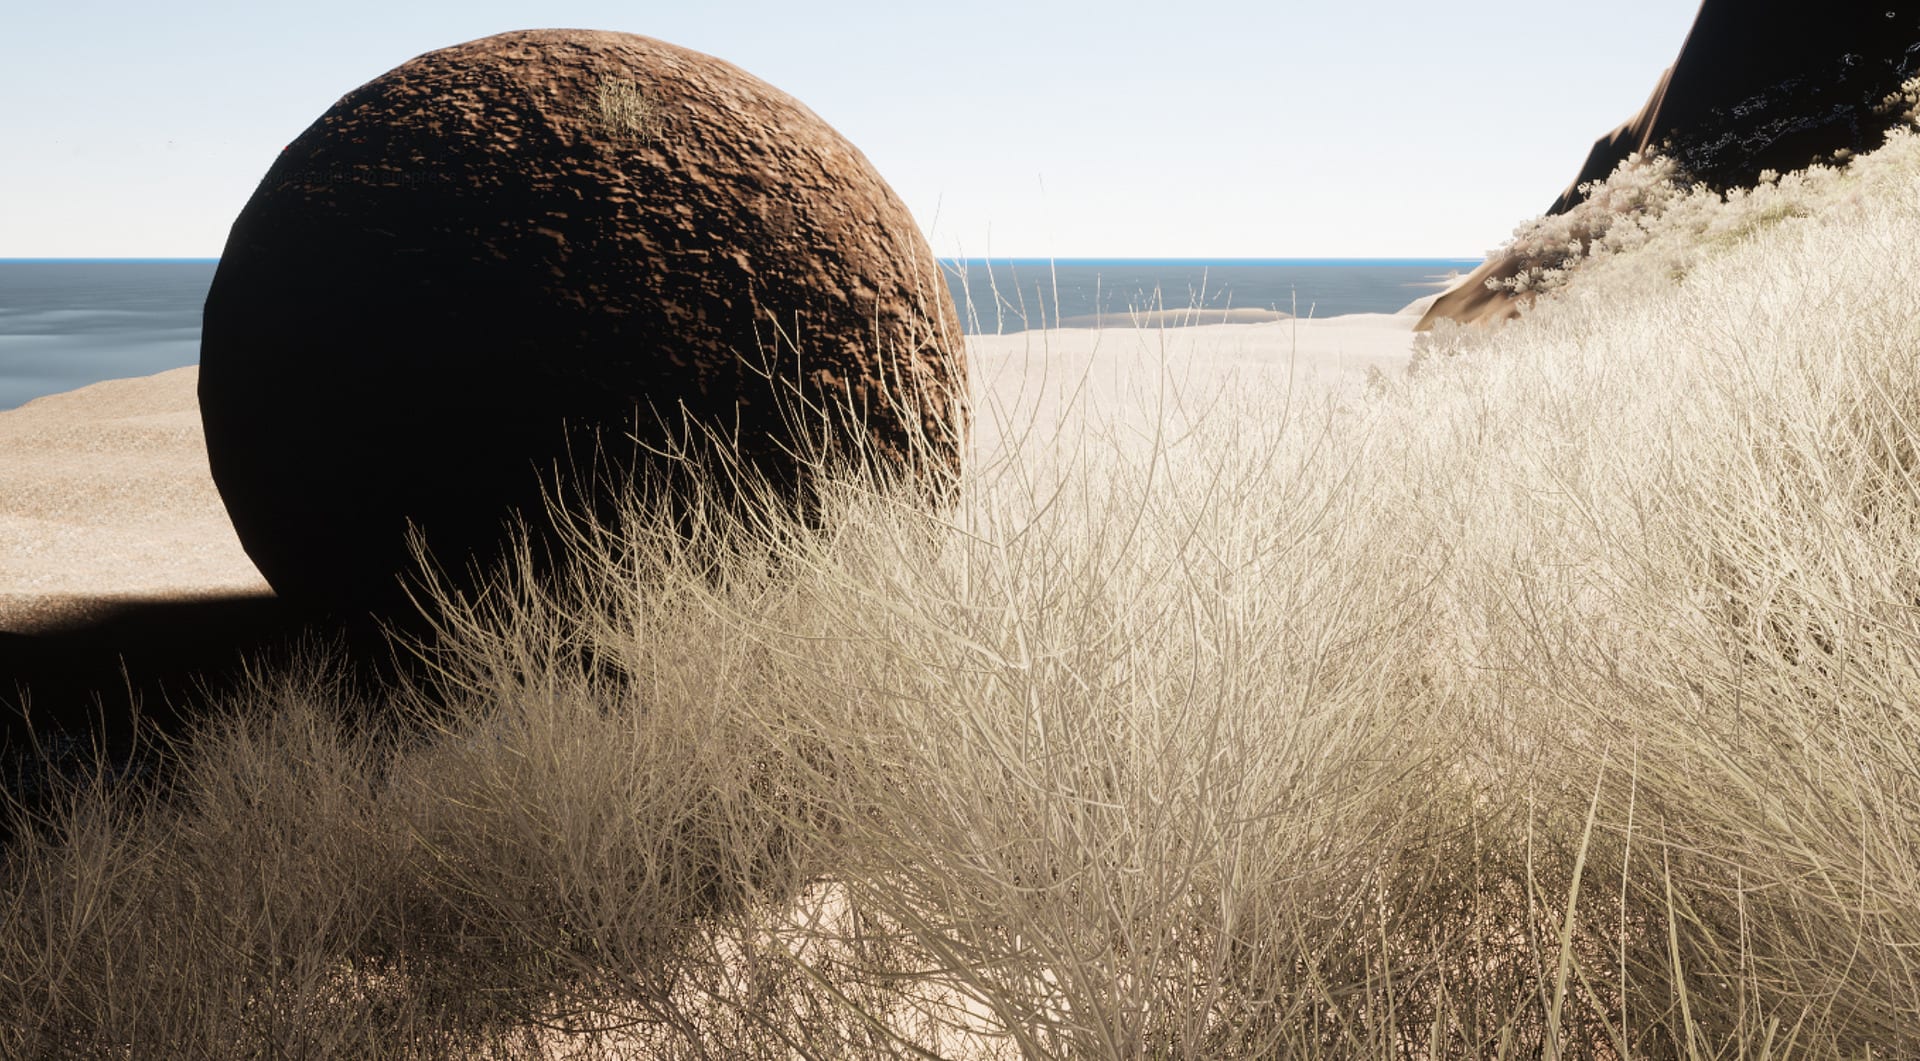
point(1030, 129)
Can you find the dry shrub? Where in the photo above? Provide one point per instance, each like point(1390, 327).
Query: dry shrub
point(1553, 701)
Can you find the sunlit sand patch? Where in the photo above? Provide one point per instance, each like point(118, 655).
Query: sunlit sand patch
point(1024, 384)
point(105, 493)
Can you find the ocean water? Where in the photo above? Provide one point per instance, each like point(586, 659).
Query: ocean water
point(71, 322)
point(65, 323)
point(1011, 295)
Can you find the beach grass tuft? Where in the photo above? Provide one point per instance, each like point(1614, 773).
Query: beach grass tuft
point(1557, 699)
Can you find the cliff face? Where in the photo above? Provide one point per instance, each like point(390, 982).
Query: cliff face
point(1758, 85)
point(1769, 84)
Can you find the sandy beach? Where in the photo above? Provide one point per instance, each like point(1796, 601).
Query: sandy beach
point(105, 496)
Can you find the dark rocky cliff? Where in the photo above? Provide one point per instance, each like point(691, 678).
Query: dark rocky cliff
point(1758, 85)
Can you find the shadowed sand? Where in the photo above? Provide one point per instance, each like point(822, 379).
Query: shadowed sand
point(122, 582)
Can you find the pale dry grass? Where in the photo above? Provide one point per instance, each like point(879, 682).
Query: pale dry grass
point(1554, 700)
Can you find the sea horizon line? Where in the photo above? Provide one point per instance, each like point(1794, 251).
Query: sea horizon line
point(1015, 260)
point(1190, 260)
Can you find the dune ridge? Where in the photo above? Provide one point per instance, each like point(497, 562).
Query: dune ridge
point(107, 499)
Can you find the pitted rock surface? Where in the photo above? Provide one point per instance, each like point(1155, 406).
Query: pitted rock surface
point(543, 228)
point(1758, 85)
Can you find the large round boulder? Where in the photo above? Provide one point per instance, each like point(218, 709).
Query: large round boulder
point(508, 262)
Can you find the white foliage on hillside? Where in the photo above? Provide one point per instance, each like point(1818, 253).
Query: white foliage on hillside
point(1647, 225)
point(1650, 204)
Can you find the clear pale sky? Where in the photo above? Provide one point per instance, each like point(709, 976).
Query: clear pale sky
point(1265, 128)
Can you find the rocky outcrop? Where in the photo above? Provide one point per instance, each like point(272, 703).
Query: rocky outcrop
point(1470, 301)
point(508, 260)
point(1758, 85)
point(1769, 84)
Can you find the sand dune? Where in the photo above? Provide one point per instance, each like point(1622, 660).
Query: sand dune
point(1172, 318)
point(105, 494)
point(1028, 378)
